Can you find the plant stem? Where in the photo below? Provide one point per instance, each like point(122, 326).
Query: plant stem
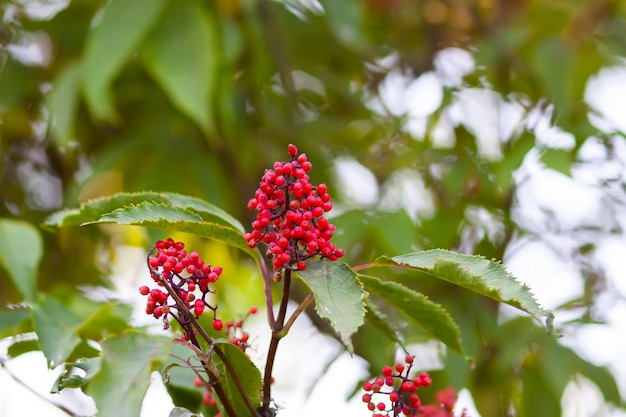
point(276, 336)
point(189, 318)
point(303, 305)
point(269, 302)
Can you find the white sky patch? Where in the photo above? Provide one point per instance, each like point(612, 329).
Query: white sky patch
point(43, 9)
point(406, 190)
point(34, 49)
point(424, 95)
point(606, 93)
point(452, 64)
point(609, 254)
point(477, 109)
point(552, 279)
point(549, 200)
point(392, 90)
point(357, 184)
point(465, 402)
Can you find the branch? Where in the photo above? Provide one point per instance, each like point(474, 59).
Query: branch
point(38, 394)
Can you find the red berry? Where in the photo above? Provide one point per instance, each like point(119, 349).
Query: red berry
point(399, 368)
point(366, 398)
point(387, 371)
point(408, 386)
point(293, 151)
point(381, 406)
point(217, 324)
point(143, 290)
point(393, 396)
point(409, 359)
point(253, 310)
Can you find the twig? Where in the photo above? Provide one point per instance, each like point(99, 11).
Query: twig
point(38, 394)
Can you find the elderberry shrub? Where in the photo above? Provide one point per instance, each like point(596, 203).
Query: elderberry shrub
point(290, 219)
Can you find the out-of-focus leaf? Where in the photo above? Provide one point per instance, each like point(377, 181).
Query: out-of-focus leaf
point(560, 364)
point(21, 249)
point(558, 160)
point(21, 346)
point(339, 297)
point(10, 320)
point(247, 372)
point(554, 63)
point(124, 376)
point(62, 103)
point(56, 327)
point(72, 378)
point(376, 319)
point(112, 318)
point(346, 21)
point(475, 273)
point(182, 54)
point(123, 26)
point(425, 313)
point(178, 378)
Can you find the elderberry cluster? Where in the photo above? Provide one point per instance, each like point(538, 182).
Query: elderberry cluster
point(290, 217)
point(400, 389)
point(185, 274)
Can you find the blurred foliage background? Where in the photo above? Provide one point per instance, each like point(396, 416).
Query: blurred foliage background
point(420, 115)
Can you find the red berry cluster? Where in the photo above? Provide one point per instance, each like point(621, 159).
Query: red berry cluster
point(187, 274)
point(401, 390)
point(290, 217)
point(444, 405)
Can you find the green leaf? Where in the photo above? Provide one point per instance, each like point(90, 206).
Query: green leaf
point(346, 21)
point(247, 372)
point(339, 297)
point(160, 216)
point(166, 211)
point(111, 318)
point(21, 346)
point(425, 313)
point(182, 412)
point(109, 46)
point(559, 160)
point(62, 103)
point(72, 378)
point(127, 362)
point(178, 378)
point(380, 322)
point(475, 273)
point(21, 249)
point(182, 54)
point(11, 319)
point(148, 212)
point(56, 327)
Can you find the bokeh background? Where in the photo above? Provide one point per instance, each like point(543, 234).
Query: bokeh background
point(491, 127)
